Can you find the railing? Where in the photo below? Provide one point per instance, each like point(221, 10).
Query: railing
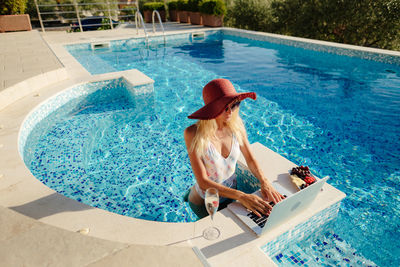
point(139, 19)
point(154, 25)
point(77, 15)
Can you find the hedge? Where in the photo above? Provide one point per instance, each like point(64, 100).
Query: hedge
point(213, 7)
point(159, 6)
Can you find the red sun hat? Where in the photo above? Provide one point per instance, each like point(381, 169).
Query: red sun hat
point(217, 95)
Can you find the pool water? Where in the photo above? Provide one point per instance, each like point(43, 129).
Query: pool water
point(337, 114)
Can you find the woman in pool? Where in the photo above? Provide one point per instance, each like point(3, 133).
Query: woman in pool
point(214, 144)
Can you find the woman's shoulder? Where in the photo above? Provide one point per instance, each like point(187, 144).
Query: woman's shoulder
point(190, 131)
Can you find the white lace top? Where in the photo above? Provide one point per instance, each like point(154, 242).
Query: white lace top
point(219, 169)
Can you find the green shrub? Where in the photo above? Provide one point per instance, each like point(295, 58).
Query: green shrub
point(159, 6)
point(173, 5)
point(366, 23)
point(213, 7)
point(182, 5)
point(250, 15)
point(12, 7)
point(194, 5)
point(362, 22)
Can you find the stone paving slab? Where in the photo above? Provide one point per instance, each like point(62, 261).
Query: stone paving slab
point(28, 242)
point(23, 54)
point(151, 256)
point(26, 64)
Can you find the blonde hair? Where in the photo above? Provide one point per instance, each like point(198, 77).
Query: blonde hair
point(206, 130)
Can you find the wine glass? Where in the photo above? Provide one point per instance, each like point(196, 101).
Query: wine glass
point(211, 201)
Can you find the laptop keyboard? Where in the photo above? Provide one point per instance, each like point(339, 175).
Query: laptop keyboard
point(260, 221)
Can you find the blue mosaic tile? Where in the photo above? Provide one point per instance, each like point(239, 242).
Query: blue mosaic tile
point(321, 47)
point(301, 231)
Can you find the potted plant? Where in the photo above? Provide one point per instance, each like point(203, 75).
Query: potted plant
point(213, 12)
point(173, 10)
point(183, 15)
point(12, 17)
point(148, 9)
point(194, 13)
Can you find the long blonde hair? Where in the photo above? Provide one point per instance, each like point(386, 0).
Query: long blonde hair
point(206, 130)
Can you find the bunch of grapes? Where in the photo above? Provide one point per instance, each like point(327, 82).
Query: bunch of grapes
point(303, 172)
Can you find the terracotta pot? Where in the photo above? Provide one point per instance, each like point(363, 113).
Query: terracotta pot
point(183, 16)
point(12, 23)
point(173, 15)
point(162, 15)
point(196, 18)
point(147, 16)
point(212, 21)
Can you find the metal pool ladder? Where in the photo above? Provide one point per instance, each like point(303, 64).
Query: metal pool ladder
point(155, 12)
point(139, 18)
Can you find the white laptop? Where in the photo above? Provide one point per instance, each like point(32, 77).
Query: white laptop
point(293, 204)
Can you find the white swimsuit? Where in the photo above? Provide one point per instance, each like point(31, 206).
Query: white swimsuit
point(219, 169)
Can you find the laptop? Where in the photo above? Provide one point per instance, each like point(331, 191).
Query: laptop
point(293, 204)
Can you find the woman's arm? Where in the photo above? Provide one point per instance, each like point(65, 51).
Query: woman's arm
point(252, 202)
point(267, 190)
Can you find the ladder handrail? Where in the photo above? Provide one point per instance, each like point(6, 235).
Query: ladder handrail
point(139, 15)
point(159, 19)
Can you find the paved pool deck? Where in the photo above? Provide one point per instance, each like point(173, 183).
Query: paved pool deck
point(27, 65)
point(41, 227)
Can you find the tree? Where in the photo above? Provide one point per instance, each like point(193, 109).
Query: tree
point(373, 23)
point(249, 14)
point(12, 7)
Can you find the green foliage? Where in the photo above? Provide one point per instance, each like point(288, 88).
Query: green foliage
point(173, 5)
point(250, 14)
point(12, 7)
point(194, 5)
point(182, 5)
point(213, 7)
point(361, 22)
point(105, 24)
point(153, 6)
point(373, 23)
point(128, 11)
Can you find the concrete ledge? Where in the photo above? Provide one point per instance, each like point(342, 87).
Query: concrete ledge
point(237, 242)
point(31, 84)
point(27, 242)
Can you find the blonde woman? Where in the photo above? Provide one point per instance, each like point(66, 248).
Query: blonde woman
point(214, 144)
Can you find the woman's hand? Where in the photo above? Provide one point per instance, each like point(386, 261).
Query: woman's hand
point(255, 204)
point(270, 194)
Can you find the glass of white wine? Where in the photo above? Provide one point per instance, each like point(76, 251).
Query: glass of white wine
point(211, 201)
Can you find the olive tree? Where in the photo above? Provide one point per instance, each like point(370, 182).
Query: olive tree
point(373, 23)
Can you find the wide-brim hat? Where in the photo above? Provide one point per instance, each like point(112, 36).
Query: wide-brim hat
point(217, 95)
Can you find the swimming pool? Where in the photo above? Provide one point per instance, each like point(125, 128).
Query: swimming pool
point(337, 114)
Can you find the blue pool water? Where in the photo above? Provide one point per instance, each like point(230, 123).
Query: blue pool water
point(337, 114)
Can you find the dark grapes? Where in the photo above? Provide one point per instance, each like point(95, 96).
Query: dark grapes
point(303, 172)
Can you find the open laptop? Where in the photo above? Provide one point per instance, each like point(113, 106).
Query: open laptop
point(293, 204)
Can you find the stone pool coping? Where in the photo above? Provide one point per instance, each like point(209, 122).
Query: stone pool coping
point(22, 192)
